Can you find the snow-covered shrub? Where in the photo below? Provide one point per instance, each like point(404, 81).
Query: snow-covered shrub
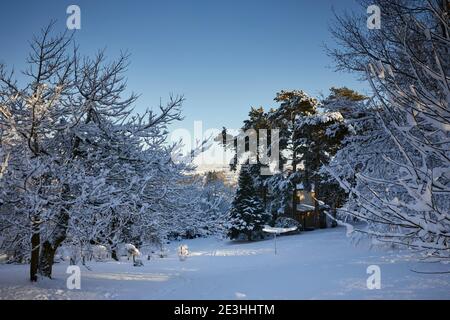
point(100, 252)
point(183, 252)
point(132, 251)
point(3, 257)
point(286, 222)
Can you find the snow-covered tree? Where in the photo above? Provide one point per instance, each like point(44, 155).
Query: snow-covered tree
point(83, 167)
point(402, 190)
point(318, 137)
point(308, 138)
point(216, 198)
point(276, 190)
point(294, 105)
point(247, 215)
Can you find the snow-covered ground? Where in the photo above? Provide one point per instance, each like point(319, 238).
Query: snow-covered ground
point(322, 264)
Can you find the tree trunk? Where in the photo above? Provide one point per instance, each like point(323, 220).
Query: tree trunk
point(334, 214)
point(265, 197)
point(294, 201)
point(294, 168)
point(46, 259)
point(322, 219)
point(113, 242)
point(49, 247)
point(35, 246)
point(114, 255)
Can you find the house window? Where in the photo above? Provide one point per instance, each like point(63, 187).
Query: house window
point(305, 197)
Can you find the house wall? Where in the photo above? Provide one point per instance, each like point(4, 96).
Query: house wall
point(308, 219)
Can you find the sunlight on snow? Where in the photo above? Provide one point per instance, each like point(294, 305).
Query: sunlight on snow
point(130, 276)
point(227, 253)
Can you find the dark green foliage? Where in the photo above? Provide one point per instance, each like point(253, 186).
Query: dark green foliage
point(247, 215)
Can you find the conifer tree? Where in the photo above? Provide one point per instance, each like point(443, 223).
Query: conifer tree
point(247, 215)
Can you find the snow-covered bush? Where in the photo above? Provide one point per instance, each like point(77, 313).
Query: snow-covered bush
point(183, 252)
point(286, 222)
point(100, 253)
point(132, 251)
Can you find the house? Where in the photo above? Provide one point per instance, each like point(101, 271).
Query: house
point(304, 208)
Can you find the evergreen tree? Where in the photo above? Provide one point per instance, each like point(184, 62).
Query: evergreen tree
point(247, 216)
point(294, 105)
point(257, 120)
point(318, 138)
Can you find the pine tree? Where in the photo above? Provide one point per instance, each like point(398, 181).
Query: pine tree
point(247, 215)
point(294, 105)
point(318, 138)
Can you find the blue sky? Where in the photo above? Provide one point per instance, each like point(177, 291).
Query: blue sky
point(224, 56)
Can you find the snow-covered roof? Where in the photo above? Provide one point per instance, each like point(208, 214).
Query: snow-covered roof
point(304, 207)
